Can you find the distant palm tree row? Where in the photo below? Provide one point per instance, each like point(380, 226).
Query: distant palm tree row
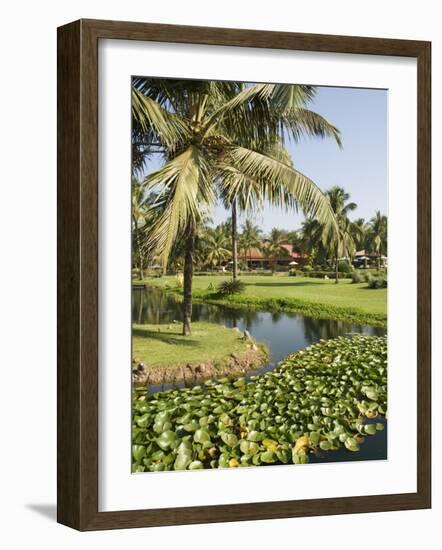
point(219, 141)
point(213, 245)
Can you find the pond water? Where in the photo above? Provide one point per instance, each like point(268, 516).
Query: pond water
point(282, 333)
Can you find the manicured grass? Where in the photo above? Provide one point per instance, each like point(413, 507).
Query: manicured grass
point(164, 345)
point(315, 297)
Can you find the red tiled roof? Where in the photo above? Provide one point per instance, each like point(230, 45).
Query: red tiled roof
point(258, 255)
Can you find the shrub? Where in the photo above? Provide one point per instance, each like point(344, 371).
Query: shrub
point(292, 273)
point(357, 277)
point(344, 267)
point(231, 287)
point(306, 268)
point(379, 282)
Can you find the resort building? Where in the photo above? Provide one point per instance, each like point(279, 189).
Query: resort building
point(258, 259)
point(363, 259)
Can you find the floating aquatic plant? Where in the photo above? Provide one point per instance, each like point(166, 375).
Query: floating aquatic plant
point(319, 399)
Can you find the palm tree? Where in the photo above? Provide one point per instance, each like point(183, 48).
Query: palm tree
point(138, 221)
point(341, 241)
point(359, 232)
point(216, 246)
point(299, 122)
point(310, 242)
point(377, 235)
point(273, 246)
point(213, 137)
point(250, 238)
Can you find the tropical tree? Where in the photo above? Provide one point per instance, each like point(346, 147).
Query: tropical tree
point(377, 236)
point(311, 241)
point(359, 230)
point(138, 222)
point(296, 121)
point(213, 138)
point(273, 246)
point(340, 239)
point(250, 238)
point(216, 246)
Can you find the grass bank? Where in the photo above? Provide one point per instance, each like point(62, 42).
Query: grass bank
point(211, 350)
point(319, 298)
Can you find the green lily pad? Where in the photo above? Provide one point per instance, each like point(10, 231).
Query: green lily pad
point(196, 465)
point(229, 439)
point(255, 436)
point(201, 436)
point(138, 452)
point(182, 461)
point(351, 444)
point(166, 440)
point(370, 429)
point(267, 457)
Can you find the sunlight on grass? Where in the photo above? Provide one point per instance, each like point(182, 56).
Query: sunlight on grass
point(164, 345)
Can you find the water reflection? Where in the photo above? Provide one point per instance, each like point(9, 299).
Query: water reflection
point(282, 333)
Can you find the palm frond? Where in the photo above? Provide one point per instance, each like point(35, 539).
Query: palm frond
point(238, 109)
point(305, 123)
point(185, 192)
point(169, 129)
point(285, 97)
point(281, 184)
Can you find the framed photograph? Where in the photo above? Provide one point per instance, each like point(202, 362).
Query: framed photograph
point(243, 275)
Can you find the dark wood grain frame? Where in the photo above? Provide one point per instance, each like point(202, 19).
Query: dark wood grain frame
point(77, 459)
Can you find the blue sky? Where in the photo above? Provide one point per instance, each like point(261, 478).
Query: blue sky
point(360, 166)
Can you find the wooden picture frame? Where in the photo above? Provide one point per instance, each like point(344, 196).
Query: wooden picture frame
point(78, 274)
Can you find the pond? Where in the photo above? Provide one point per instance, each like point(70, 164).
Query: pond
point(282, 333)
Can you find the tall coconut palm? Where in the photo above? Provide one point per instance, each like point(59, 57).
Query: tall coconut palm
point(311, 241)
point(216, 246)
point(377, 236)
point(359, 232)
point(341, 242)
point(273, 246)
point(290, 103)
point(250, 238)
point(138, 222)
point(213, 137)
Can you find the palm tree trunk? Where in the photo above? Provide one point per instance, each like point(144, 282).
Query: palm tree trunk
point(140, 254)
point(336, 270)
point(187, 283)
point(234, 242)
point(379, 262)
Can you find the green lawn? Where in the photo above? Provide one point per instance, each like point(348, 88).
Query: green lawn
point(164, 345)
point(315, 297)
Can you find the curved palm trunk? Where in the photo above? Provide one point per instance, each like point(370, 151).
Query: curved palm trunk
point(187, 283)
point(234, 242)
